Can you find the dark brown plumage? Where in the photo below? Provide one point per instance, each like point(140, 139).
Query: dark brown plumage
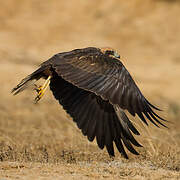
point(94, 87)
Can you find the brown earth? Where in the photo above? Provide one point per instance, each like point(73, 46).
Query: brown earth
point(41, 141)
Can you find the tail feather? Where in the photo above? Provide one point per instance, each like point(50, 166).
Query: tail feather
point(29, 80)
point(25, 83)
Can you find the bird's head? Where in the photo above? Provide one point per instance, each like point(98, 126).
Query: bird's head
point(110, 52)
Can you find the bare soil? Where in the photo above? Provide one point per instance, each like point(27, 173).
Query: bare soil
point(40, 141)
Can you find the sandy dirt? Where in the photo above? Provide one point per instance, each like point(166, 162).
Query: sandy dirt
point(40, 141)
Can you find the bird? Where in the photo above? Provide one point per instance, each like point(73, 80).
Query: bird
point(95, 89)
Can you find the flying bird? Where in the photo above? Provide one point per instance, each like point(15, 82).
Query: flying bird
point(95, 88)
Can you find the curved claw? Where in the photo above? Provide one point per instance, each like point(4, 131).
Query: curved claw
point(41, 89)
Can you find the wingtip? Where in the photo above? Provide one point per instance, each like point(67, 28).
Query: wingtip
point(153, 106)
point(125, 156)
point(137, 133)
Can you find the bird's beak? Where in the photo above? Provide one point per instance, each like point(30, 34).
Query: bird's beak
point(116, 55)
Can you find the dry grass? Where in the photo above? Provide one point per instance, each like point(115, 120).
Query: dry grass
point(41, 140)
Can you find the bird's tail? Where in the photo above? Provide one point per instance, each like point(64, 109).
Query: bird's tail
point(29, 80)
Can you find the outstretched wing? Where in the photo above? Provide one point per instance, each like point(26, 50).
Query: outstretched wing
point(95, 117)
point(94, 88)
point(105, 76)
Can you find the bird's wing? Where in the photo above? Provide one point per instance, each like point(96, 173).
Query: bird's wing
point(96, 117)
point(108, 78)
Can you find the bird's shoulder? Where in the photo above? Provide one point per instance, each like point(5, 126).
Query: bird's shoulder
point(89, 56)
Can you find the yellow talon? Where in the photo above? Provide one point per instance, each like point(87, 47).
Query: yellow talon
point(41, 89)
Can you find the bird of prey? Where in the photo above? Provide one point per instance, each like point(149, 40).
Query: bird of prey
point(95, 88)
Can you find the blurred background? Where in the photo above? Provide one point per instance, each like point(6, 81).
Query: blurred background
point(145, 33)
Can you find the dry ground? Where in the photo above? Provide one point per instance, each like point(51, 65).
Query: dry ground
point(41, 141)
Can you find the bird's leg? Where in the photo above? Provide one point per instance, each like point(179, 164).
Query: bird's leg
point(41, 89)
